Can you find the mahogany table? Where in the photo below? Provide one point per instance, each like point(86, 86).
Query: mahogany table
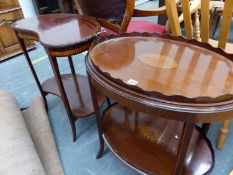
point(62, 35)
point(163, 86)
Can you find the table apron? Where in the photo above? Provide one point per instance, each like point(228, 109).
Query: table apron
point(150, 107)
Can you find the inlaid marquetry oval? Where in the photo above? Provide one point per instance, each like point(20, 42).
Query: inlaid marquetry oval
point(166, 66)
point(156, 60)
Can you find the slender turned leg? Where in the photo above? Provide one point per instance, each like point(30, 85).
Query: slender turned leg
point(197, 26)
point(98, 119)
point(75, 80)
point(22, 44)
point(223, 134)
point(71, 65)
point(205, 127)
point(54, 64)
point(183, 147)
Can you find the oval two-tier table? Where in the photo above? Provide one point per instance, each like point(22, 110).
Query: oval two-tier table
point(163, 86)
point(62, 35)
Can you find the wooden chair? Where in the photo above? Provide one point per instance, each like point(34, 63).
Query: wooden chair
point(115, 15)
point(216, 9)
point(201, 32)
point(216, 13)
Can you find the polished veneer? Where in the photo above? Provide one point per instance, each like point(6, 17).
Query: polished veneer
point(163, 85)
point(78, 93)
point(173, 68)
point(62, 35)
point(58, 30)
point(150, 143)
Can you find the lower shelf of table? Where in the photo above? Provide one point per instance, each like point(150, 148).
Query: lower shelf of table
point(149, 144)
point(78, 93)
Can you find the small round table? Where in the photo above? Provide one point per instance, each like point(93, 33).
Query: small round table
point(163, 86)
point(62, 35)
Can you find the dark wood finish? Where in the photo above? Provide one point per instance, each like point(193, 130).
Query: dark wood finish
point(182, 102)
point(136, 59)
point(10, 11)
point(59, 30)
point(23, 47)
point(184, 145)
point(115, 17)
point(62, 35)
point(148, 60)
point(205, 128)
point(150, 143)
point(78, 93)
point(54, 64)
point(114, 14)
point(98, 119)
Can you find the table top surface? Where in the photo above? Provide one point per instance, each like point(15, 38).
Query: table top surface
point(59, 30)
point(166, 69)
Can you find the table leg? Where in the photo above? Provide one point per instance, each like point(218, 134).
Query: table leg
point(75, 79)
point(185, 139)
point(108, 101)
point(98, 119)
point(43, 94)
point(205, 127)
point(72, 119)
point(71, 65)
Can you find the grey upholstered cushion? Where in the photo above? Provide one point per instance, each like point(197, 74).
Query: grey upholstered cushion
point(17, 151)
point(37, 122)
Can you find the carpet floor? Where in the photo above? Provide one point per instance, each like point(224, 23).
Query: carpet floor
point(79, 158)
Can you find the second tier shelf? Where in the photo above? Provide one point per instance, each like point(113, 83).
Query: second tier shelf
point(78, 92)
point(149, 144)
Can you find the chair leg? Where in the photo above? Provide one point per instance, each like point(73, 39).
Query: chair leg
point(223, 134)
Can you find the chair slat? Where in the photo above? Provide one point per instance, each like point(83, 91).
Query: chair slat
point(226, 22)
point(173, 17)
point(187, 18)
point(205, 20)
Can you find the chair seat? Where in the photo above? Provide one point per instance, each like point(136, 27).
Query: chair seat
point(145, 26)
point(142, 26)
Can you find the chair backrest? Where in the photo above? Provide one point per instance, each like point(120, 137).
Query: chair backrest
point(203, 7)
point(112, 14)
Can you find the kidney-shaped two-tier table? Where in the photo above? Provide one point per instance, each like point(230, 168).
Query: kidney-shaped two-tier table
point(62, 35)
point(163, 86)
